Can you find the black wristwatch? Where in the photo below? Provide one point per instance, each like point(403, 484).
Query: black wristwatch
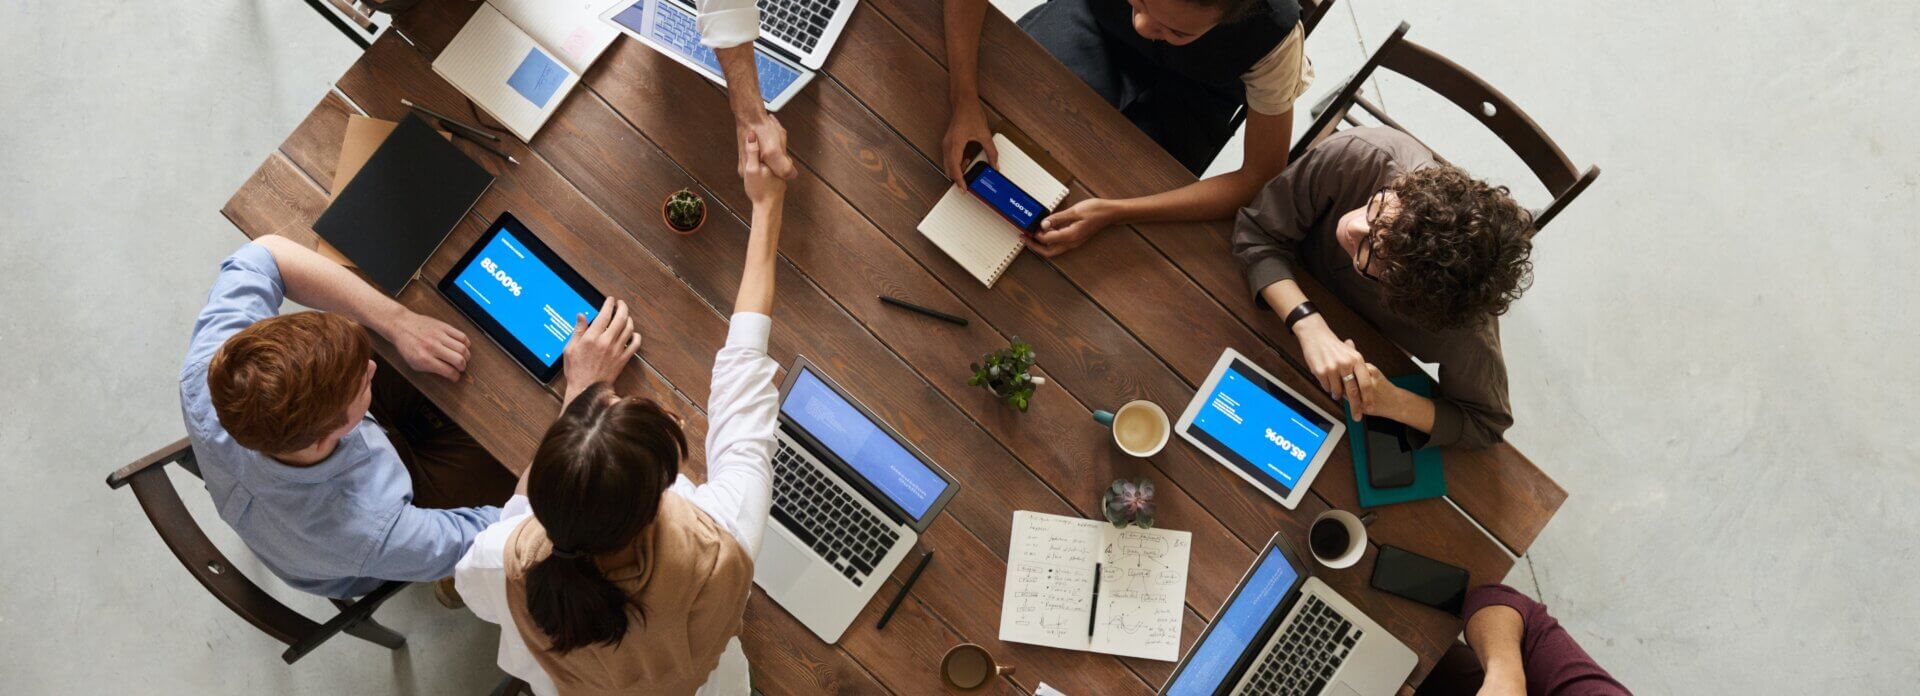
point(1300, 311)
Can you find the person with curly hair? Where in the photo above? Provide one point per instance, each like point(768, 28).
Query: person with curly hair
point(1426, 252)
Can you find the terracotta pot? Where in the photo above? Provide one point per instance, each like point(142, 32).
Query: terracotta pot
point(696, 226)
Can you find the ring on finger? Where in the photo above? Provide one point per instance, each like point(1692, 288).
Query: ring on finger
point(1346, 378)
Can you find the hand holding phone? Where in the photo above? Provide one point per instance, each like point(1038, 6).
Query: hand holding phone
point(1017, 206)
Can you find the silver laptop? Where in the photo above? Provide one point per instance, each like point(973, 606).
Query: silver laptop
point(1283, 632)
point(850, 498)
point(795, 36)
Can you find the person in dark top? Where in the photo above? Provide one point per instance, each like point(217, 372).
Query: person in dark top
point(1515, 648)
point(1179, 69)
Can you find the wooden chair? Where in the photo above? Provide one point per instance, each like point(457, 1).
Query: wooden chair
point(155, 491)
point(1494, 110)
point(355, 17)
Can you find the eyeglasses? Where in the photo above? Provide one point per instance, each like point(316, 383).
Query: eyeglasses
point(1363, 252)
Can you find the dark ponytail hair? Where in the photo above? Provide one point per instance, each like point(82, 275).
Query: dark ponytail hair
point(596, 483)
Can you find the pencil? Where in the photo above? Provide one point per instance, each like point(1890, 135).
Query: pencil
point(484, 146)
point(911, 307)
point(911, 577)
point(451, 121)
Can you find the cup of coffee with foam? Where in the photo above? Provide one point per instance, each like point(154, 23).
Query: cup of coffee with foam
point(1140, 427)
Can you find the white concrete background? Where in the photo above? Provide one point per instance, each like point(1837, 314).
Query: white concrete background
point(1715, 360)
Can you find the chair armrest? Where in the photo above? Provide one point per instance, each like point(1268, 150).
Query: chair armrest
point(180, 449)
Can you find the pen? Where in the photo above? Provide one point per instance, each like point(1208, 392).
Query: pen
point(484, 146)
point(911, 307)
point(1092, 610)
point(911, 577)
point(471, 130)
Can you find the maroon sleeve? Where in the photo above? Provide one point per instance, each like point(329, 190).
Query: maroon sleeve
point(1555, 664)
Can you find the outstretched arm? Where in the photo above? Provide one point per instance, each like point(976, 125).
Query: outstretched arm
point(768, 193)
point(969, 121)
point(428, 345)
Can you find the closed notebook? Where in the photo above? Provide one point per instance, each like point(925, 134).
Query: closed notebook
point(1429, 477)
point(969, 230)
point(518, 59)
point(398, 208)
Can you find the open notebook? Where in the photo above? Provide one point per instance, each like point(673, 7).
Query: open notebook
point(1087, 585)
point(972, 233)
point(518, 59)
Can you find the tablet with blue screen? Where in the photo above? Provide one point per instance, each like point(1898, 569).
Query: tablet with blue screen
point(1270, 435)
point(521, 295)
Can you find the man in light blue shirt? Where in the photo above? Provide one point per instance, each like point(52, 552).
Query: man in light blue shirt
point(277, 409)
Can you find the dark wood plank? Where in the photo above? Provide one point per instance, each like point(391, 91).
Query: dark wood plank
point(1023, 82)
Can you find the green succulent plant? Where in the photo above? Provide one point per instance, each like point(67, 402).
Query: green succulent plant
point(1129, 502)
point(1006, 372)
point(685, 209)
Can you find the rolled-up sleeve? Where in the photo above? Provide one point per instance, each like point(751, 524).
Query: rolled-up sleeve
point(1471, 408)
point(247, 290)
point(728, 23)
point(1281, 77)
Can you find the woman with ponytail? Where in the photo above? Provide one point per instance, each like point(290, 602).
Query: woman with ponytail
point(610, 572)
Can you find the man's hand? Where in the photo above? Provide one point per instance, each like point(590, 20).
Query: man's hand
point(969, 125)
point(764, 187)
point(769, 143)
point(429, 345)
point(1335, 363)
point(599, 349)
point(1070, 228)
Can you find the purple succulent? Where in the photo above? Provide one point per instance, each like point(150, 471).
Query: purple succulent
point(1129, 502)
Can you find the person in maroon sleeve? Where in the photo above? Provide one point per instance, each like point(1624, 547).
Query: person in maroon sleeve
point(1516, 648)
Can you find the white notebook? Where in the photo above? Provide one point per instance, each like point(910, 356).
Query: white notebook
point(971, 232)
point(518, 59)
point(1084, 584)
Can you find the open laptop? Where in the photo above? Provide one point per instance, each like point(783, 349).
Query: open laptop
point(850, 498)
point(795, 36)
point(1283, 632)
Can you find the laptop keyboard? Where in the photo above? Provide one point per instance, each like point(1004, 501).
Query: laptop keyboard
point(797, 22)
point(825, 517)
point(1306, 655)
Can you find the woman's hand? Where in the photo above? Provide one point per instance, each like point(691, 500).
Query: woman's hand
point(1071, 228)
point(600, 349)
point(969, 125)
point(1335, 363)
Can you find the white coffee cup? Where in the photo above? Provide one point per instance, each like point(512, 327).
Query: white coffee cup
point(1349, 553)
point(1140, 427)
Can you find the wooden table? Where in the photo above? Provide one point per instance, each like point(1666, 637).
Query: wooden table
point(1139, 313)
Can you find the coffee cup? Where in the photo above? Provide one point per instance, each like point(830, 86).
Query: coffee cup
point(1140, 427)
point(1337, 538)
point(968, 666)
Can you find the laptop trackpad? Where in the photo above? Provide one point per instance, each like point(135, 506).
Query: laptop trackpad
point(1340, 689)
point(781, 564)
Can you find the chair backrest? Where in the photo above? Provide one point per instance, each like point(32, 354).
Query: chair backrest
point(1311, 12)
point(1494, 110)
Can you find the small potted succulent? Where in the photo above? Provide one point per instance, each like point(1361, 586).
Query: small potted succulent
point(1129, 503)
point(684, 211)
point(1008, 373)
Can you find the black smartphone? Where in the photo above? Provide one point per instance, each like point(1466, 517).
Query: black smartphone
point(1017, 206)
point(1421, 579)
point(1389, 456)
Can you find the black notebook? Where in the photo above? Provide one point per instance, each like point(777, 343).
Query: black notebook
point(395, 212)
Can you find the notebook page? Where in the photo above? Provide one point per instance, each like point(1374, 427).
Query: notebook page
point(968, 230)
point(571, 29)
point(1027, 174)
point(1049, 591)
point(1143, 591)
point(505, 72)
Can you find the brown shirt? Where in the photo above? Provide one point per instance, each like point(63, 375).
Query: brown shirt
point(1289, 229)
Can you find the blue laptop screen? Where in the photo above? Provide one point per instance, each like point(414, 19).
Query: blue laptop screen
point(1235, 627)
point(872, 453)
point(514, 287)
point(1260, 427)
point(674, 26)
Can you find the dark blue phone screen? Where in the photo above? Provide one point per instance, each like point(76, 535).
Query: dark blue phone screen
point(993, 187)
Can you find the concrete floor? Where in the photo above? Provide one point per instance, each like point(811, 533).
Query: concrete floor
point(1708, 361)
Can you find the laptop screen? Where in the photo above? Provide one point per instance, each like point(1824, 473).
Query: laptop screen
point(1236, 627)
point(862, 444)
point(675, 27)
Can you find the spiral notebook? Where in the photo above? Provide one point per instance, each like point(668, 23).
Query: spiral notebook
point(969, 230)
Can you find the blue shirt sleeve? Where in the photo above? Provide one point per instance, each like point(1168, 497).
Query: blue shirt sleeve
point(248, 290)
point(425, 543)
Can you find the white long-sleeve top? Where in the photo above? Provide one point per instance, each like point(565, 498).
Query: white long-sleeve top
point(742, 415)
point(727, 23)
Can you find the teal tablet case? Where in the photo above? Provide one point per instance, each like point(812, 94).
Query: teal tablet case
point(1429, 479)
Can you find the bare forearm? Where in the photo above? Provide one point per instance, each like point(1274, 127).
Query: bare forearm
point(318, 282)
point(1494, 633)
point(763, 250)
point(964, 19)
point(1212, 198)
point(743, 82)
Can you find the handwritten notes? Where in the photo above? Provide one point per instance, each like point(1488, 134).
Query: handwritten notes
point(1051, 597)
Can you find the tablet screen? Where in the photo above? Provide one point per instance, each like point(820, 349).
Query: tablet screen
point(521, 293)
point(1260, 427)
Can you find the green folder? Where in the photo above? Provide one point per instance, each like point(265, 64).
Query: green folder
point(1429, 479)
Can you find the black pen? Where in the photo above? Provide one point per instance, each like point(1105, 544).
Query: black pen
point(449, 120)
point(911, 307)
point(911, 577)
point(484, 146)
point(1092, 610)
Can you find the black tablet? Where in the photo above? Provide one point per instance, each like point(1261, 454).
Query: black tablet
point(521, 294)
